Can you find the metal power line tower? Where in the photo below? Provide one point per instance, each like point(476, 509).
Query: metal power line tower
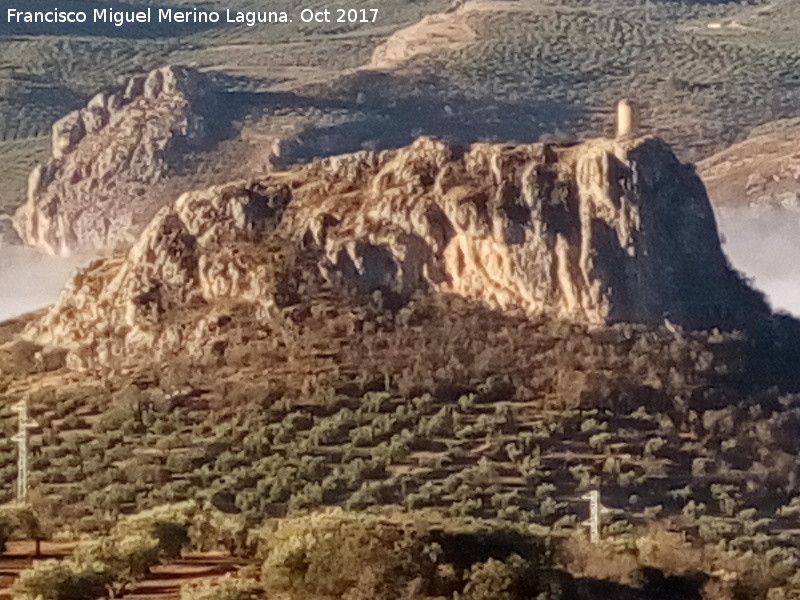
point(596, 511)
point(21, 438)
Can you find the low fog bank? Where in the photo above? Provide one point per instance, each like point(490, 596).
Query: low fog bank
point(764, 244)
point(30, 280)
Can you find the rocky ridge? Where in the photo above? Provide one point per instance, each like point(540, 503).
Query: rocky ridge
point(96, 190)
point(442, 31)
point(596, 233)
point(449, 30)
point(762, 171)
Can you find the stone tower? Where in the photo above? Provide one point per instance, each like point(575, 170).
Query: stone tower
point(627, 119)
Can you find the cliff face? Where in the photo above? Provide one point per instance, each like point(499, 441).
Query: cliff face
point(599, 232)
point(94, 191)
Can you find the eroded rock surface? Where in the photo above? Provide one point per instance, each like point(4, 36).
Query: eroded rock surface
point(599, 232)
point(761, 171)
point(95, 192)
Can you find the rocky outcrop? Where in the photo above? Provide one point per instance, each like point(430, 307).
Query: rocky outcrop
point(94, 193)
point(439, 32)
point(203, 250)
point(604, 231)
point(599, 232)
point(761, 171)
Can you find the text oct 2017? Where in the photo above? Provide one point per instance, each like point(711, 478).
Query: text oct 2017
point(339, 15)
point(121, 17)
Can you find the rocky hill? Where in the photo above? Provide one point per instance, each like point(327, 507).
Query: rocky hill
point(426, 328)
point(435, 33)
point(595, 233)
point(96, 191)
point(761, 171)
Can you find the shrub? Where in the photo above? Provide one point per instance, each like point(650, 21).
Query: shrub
point(109, 564)
point(60, 580)
point(497, 580)
point(223, 588)
point(338, 554)
point(212, 530)
point(120, 560)
point(653, 445)
point(324, 555)
point(169, 525)
point(18, 517)
point(652, 549)
point(599, 440)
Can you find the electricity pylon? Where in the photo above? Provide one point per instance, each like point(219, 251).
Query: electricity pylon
point(21, 438)
point(596, 511)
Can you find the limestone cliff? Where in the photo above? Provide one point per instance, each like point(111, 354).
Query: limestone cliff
point(95, 192)
point(598, 232)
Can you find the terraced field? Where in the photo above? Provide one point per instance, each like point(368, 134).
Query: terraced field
point(406, 414)
point(699, 90)
point(483, 457)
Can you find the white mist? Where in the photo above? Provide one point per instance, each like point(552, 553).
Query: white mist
point(30, 280)
point(764, 244)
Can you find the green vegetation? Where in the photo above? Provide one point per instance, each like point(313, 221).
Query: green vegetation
point(360, 441)
point(417, 555)
point(44, 76)
point(441, 405)
point(108, 565)
point(18, 519)
point(337, 554)
point(570, 64)
point(227, 587)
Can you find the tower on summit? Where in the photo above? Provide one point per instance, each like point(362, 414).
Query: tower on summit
point(627, 119)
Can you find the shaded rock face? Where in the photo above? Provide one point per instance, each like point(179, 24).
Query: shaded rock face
point(600, 232)
point(8, 236)
point(92, 194)
point(595, 233)
point(202, 251)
